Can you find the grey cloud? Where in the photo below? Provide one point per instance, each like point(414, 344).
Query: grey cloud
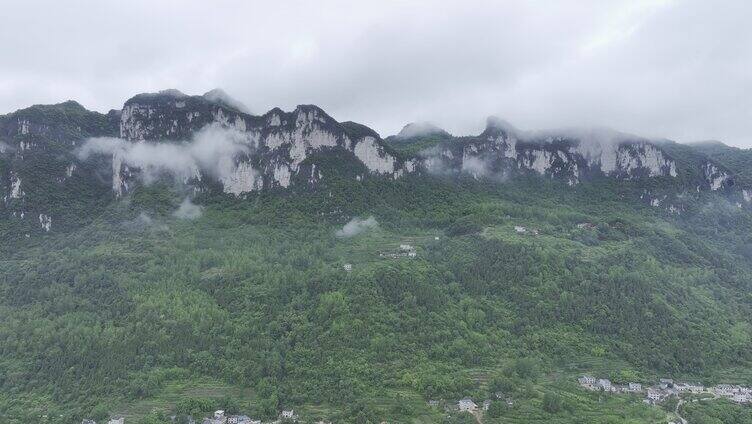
point(674, 69)
point(144, 222)
point(416, 129)
point(357, 226)
point(218, 95)
point(188, 210)
point(5, 147)
point(476, 167)
point(212, 151)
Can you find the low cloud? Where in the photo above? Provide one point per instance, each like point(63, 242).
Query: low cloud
point(357, 226)
point(5, 147)
point(419, 129)
point(211, 151)
point(143, 222)
point(218, 95)
point(475, 166)
point(188, 210)
point(439, 161)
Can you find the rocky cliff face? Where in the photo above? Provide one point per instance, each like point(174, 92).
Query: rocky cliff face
point(501, 149)
point(42, 183)
point(279, 146)
point(211, 142)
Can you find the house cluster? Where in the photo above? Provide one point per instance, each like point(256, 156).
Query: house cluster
point(221, 418)
point(405, 251)
point(605, 385)
point(739, 394)
point(118, 420)
point(666, 388)
point(467, 404)
point(524, 230)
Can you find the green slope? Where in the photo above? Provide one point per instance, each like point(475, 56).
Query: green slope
point(249, 307)
point(737, 160)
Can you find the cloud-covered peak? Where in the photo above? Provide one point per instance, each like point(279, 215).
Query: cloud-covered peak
point(496, 126)
point(221, 97)
point(421, 129)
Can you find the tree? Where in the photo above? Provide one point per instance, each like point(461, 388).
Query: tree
point(495, 409)
point(552, 403)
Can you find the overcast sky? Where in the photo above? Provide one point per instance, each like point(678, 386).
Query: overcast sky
point(675, 69)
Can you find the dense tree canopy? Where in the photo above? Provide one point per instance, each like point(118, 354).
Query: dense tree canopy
point(252, 299)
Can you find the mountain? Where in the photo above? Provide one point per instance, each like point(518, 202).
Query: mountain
point(277, 149)
point(183, 255)
point(737, 160)
point(304, 147)
point(279, 143)
point(416, 130)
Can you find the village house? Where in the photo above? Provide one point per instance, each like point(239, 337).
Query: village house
point(408, 250)
point(405, 251)
point(653, 395)
point(634, 387)
point(695, 388)
point(218, 418)
point(725, 390)
point(585, 225)
point(486, 404)
point(586, 379)
point(119, 420)
point(347, 267)
point(587, 382)
point(87, 421)
point(288, 414)
point(433, 403)
point(603, 384)
point(232, 419)
point(665, 383)
point(467, 404)
point(741, 397)
point(520, 229)
point(689, 388)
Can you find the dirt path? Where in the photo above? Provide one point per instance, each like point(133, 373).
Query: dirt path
point(676, 411)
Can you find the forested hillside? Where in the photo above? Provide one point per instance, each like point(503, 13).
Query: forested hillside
point(738, 160)
point(182, 255)
point(245, 304)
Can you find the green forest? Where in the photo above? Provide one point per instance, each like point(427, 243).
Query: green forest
point(249, 308)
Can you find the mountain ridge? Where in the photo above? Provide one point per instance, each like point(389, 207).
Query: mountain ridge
point(267, 258)
point(279, 149)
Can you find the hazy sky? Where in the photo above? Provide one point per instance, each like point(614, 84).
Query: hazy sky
point(676, 69)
